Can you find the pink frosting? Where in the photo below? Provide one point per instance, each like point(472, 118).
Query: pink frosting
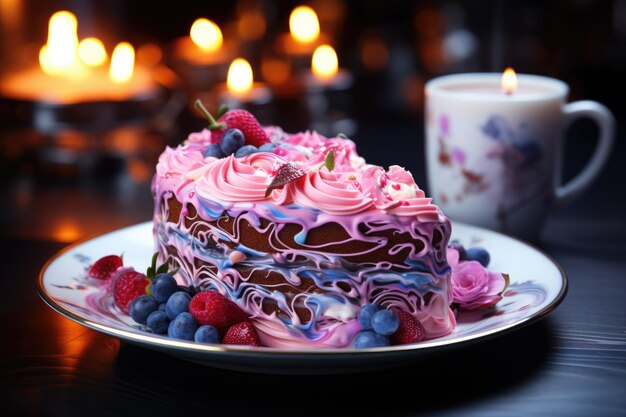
point(244, 179)
point(177, 162)
point(330, 192)
point(201, 137)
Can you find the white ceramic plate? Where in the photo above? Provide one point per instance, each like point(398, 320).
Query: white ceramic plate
point(538, 285)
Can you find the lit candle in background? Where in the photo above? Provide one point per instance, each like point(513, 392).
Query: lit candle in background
point(91, 52)
point(304, 26)
point(303, 37)
point(325, 70)
point(73, 72)
point(122, 63)
point(202, 58)
point(327, 93)
point(205, 45)
point(241, 91)
point(240, 78)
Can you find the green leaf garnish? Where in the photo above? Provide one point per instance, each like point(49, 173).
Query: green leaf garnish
point(223, 108)
point(329, 162)
point(213, 124)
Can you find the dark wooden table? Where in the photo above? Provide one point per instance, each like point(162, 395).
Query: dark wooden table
point(572, 363)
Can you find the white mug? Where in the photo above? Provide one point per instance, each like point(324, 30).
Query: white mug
point(495, 159)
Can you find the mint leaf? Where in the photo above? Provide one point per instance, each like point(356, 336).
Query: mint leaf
point(329, 162)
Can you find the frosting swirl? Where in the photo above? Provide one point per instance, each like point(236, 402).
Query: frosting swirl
point(177, 162)
point(331, 192)
point(244, 179)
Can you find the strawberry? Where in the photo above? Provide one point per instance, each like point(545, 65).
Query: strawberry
point(104, 268)
point(242, 333)
point(211, 307)
point(128, 284)
point(235, 119)
point(248, 124)
point(285, 174)
point(410, 330)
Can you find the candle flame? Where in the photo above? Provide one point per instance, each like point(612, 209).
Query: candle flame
point(91, 51)
point(304, 25)
point(59, 53)
point(206, 34)
point(122, 63)
point(240, 78)
point(324, 63)
point(509, 81)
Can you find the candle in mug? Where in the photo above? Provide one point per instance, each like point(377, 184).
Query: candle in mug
point(494, 148)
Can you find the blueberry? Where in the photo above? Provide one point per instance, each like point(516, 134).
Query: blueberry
point(366, 314)
point(370, 339)
point(184, 327)
point(455, 244)
point(141, 307)
point(232, 140)
point(213, 150)
point(177, 303)
point(478, 254)
point(267, 147)
point(163, 286)
point(162, 307)
point(207, 334)
point(189, 290)
point(245, 150)
point(385, 322)
point(158, 322)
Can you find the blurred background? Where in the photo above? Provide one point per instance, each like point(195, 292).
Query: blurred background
point(79, 140)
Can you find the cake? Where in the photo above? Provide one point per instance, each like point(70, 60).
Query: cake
point(302, 255)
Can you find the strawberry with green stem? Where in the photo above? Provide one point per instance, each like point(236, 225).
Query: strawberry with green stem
point(234, 119)
point(129, 284)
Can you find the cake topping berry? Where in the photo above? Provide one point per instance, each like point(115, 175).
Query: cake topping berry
point(128, 284)
point(212, 308)
point(183, 327)
point(409, 331)
point(176, 304)
point(235, 119)
point(242, 333)
point(385, 322)
point(158, 322)
point(163, 285)
point(245, 150)
point(142, 307)
point(366, 314)
point(104, 268)
point(207, 334)
point(369, 339)
point(213, 150)
point(479, 255)
point(285, 174)
point(232, 140)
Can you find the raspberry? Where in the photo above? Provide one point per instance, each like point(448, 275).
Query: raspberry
point(104, 268)
point(212, 308)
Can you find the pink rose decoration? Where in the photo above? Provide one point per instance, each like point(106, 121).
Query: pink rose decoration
point(474, 286)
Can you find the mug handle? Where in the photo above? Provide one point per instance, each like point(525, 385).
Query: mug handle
point(567, 193)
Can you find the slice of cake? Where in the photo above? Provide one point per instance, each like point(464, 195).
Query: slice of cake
point(301, 233)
